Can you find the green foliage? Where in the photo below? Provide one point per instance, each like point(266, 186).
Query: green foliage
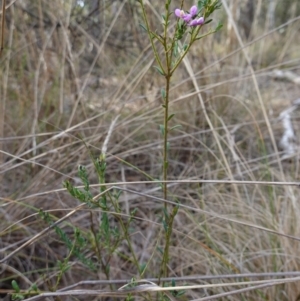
point(83, 196)
point(163, 93)
point(17, 295)
point(75, 247)
point(105, 239)
point(180, 30)
point(159, 70)
point(15, 286)
point(175, 127)
point(143, 27)
point(162, 129)
point(171, 116)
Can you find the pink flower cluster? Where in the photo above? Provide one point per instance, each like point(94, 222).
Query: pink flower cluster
point(189, 17)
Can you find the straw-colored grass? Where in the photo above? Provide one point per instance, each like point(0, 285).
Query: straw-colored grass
point(68, 72)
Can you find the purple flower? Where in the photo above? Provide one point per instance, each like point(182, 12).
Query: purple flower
point(179, 13)
point(188, 17)
point(182, 15)
point(193, 10)
point(197, 22)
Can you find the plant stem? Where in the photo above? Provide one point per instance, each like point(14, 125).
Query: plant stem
point(156, 55)
point(165, 143)
point(168, 220)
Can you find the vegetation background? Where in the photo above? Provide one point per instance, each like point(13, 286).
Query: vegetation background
point(70, 68)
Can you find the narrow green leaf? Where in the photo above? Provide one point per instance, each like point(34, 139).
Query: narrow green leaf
point(166, 163)
point(162, 129)
point(168, 147)
point(170, 117)
point(160, 250)
point(15, 286)
point(208, 21)
point(159, 70)
point(175, 49)
point(166, 214)
point(158, 37)
point(163, 93)
point(219, 26)
point(175, 127)
point(82, 173)
point(143, 27)
point(69, 187)
point(165, 226)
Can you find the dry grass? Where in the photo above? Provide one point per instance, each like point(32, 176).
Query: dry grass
point(67, 73)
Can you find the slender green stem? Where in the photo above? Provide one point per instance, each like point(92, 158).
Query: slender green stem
point(156, 55)
point(168, 58)
point(164, 268)
point(166, 103)
point(165, 145)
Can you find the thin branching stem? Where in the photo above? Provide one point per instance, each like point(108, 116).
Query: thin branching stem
point(156, 55)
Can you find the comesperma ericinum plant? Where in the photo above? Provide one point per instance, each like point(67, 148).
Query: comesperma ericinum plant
point(175, 40)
